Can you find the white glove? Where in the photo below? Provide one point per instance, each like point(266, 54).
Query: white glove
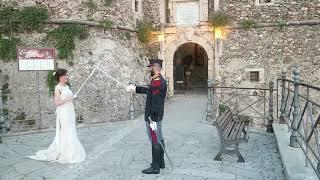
point(131, 88)
point(153, 125)
point(75, 96)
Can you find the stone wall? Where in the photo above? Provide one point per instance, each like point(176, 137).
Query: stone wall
point(120, 11)
point(267, 50)
point(101, 99)
point(270, 49)
point(279, 11)
point(152, 11)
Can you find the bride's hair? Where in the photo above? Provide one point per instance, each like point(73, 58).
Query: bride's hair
point(58, 73)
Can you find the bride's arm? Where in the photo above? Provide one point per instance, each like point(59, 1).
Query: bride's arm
point(57, 98)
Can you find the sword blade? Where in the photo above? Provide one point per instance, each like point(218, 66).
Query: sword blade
point(122, 84)
point(165, 151)
point(88, 77)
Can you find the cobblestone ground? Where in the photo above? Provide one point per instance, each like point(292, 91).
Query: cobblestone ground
point(120, 150)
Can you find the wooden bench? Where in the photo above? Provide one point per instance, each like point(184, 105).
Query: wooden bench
point(231, 132)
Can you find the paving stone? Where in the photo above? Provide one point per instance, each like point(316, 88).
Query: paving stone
point(120, 150)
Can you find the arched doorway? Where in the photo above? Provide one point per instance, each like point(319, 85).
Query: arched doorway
point(190, 68)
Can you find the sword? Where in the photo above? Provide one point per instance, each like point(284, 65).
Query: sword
point(165, 151)
point(88, 77)
point(111, 76)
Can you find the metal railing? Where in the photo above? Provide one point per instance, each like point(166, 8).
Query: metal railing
point(300, 110)
point(31, 113)
point(36, 110)
point(253, 105)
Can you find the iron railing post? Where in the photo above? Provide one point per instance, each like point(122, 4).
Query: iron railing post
point(270, 116)
point(2, 120)
point(294, 123)
point(209, 101)
point(168, 94)
point(214, 101)
point(131, 107)
point(283, 96)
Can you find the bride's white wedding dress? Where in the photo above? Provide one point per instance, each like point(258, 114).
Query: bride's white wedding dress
point(66, 147)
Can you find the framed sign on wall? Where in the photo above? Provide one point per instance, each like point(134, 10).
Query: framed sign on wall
point(36, 59)
point(187, 13)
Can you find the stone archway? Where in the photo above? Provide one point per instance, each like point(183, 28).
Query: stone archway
point(174, 41)
point(190, 70)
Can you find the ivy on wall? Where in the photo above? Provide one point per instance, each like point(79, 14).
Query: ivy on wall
point(63, 38)
point(8, 48)
point(15, 21)
point(32, 18)
point(51, 82)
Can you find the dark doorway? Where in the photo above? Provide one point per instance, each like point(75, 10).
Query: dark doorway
point(190, 68)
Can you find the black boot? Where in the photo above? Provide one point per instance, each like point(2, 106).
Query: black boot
point(154, 169)
point(162, 164)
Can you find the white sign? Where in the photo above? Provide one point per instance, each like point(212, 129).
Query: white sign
point(188, 13)
point(36, 59)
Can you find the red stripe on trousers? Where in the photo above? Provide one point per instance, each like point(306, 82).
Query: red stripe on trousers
point(153, 136)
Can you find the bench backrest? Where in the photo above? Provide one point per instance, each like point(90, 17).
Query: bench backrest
point(224, 119)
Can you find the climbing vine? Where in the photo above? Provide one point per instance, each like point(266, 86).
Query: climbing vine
point(8, 48)
point(32, 18)
point(14, 21)
point(51, 82)
point(63, 38)
point(19, 20)
point(9, 20)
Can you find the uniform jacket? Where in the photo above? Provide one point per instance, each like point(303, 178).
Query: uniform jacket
point(156, 93)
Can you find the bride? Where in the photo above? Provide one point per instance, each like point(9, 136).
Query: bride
point(66, 147)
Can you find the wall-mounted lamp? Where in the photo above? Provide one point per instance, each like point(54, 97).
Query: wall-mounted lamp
point(218, 34)
point(161, 37)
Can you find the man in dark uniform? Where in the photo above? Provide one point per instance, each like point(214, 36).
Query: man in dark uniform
point(154, 110)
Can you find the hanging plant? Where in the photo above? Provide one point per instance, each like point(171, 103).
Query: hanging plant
point(9, 20)
point(32, 18)
point(63, 39)
point(144, 30)
point(8, 48)
point(218, 19)
point(51, 82)
point(27, 19)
